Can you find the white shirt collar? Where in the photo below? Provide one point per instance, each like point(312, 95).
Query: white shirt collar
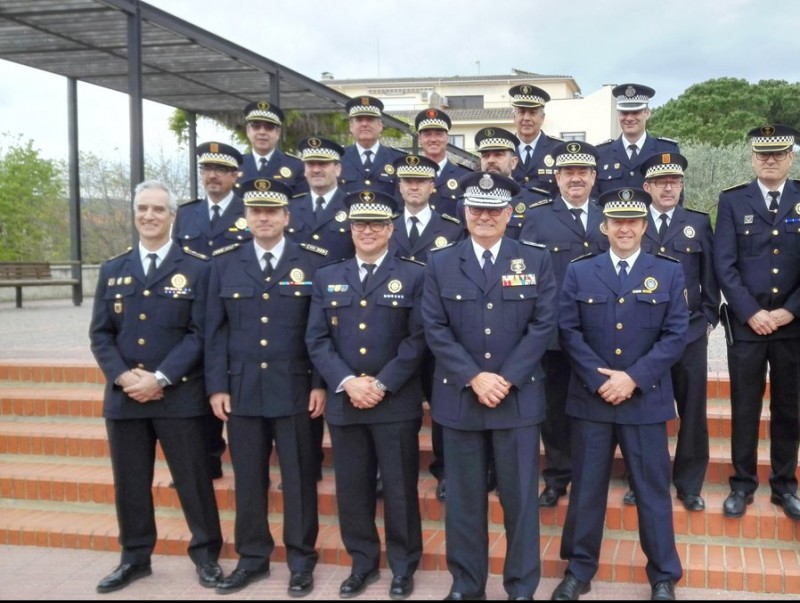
point(424, 216)
point(374, 148)
point(258, 157)
point(532, 143)
point(639, 143)
point(223, 205)
point(765, 190)
point(378, 262)
point(656, 214)
point(495, 249)
point(276, 251)
point(161, 252)
point(615, 259)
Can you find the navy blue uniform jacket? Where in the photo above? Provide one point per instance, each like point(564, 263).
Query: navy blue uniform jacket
point(446, 194)
point(439, 231)
point(639, 327)
point(381, 177)
point(501, 327)
point(332, 232)
point(539, 173)
point(289, 170)
point(615, 169)
point(192, 227)
point(156, 326)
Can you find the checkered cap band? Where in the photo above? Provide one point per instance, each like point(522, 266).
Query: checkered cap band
point(475, 196)
point(219, 159)
point(432, 124)
point(625, 209)
point(265, 199)
point(370, 211)
point(369, 110)
point(772, 143)
point(494, 144)
point(566, 159)
point(415, 171)
point(320, 154)
point(528, 100)
point(263, 115)
point(666, 169)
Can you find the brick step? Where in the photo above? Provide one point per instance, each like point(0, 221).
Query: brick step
point(51, 371)
point(92, 482)
point(729, 566)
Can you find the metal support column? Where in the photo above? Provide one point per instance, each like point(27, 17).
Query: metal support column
point(135, 97)
point(76, 252)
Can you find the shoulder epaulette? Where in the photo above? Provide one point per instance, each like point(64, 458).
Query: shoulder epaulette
point(610, 140)
point(293, 155)
point(189, 251)
point(555, 138)
point(667, 257)
point(444, 247)
point(119, 255)
point(451, 218)
point(298, 195)
point(532, 244)
point(225, 249)
point(582, 257)
point(667, 139)
point(413, 261)
point(735, 186)
point(192, 202)
point(334, 262)
point(540, 203)
point(314, 248)
point(541, 191)
point(695, 211)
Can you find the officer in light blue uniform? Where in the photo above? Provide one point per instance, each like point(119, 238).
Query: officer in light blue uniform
point(619, 158)
point(490, 309)
point(262, 122)
point(622, 322)
point(367, 163)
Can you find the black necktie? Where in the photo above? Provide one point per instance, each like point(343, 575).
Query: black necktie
point(370, 268)
point(320, 202)
point(413, 235)
point(215, 216)
point(634, 152)
point(662, 228)
point(367, 160)
point(576, 212)
point(262, 164)
point(623, 271)
point(487, 265)
point(528, 154)
point(773, 205)
point(151, 269)
point(267, 264)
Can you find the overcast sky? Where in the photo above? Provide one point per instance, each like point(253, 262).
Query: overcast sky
point(668, 45)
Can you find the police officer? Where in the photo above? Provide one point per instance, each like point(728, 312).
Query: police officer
point(489, 309)
point(260, 381)
point(497, 150)
point(319, 217)
point(432, 127)
point(146, 335)
point(622, 322)
point(367, 164)
point(536, 161)
point(365, 337)
point(758, 268)
point(416, 231)
point(569, 226)
point(619, 158)
point(262, 123)
point(205, 225)
point(686, 235)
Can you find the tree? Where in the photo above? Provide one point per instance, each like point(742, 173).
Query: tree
point(721, 111)
point(33, 207)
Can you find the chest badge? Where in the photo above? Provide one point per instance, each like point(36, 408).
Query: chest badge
point(241, 224)
point(519, 208)
point(286, 172)
point(395, 286)
point(297, 275)
point(440, 242)
point(549, 161)
point(518, 266)
point(341, 216)
point(689, 232)
point(178, 281)
point(650, 284)
point(452, 184)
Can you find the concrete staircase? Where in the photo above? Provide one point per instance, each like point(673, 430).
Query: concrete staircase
point(56, 490)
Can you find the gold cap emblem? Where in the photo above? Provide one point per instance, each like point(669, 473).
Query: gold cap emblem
point(263, 105)
point(367, 196)
point(314, 143)
point(262, 185)
point(573, 147)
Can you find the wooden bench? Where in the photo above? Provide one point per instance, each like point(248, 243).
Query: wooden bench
point(33, 274)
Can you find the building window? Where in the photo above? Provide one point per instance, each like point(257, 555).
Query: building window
point(463, 102)
point(457, 140)
point(573, 136)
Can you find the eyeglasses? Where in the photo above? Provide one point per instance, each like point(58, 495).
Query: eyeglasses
point(492, 211)
point(216, 169)
point(261, 125)
point(372, 226)
point(663, 183)
point(776, 155)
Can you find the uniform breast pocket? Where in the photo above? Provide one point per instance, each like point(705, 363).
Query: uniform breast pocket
point(460, 306)
point(175, 308)
point(747, 236)
point(792, 229)
point(592, 308)
point(235, 298)
point(519, 304)
point(687, 247)
point(334, 226)
point(650, 310)
point(332, 303)
point(118, 300)
point(398, 309)
point(294, 313)
point(609, 173)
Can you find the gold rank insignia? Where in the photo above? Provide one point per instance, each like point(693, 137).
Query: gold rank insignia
point(127, 280)
point(452, 184)
point(549, 161)
point(286, 172)
point(241, 224)
point(688, 232)
point(388, 168)
point(748, 219)
point(518, 266)
point(519, 208)
point(341, 216)
point(178, 281)
point(395, 286)
point(650, 283)
point(440, 242)
point(111, 282)
point(297, 275)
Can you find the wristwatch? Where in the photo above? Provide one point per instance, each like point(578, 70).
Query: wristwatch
point(161, 379)
point(380, 386)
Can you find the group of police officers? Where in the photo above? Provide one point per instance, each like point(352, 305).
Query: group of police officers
point(563, 289)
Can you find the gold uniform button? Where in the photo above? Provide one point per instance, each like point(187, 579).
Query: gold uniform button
point(362, 351)
point(296, 293)
point(118, 296)
point(363, 303)
point(367, 182)
point(413, 258)
point(264, 365)
point(263, 343)
point(141, 341)
point(334, 303)
point(662, 249)
point(235, 296)
point(458, 297)
point(775, 290)
point(555, 248)
point(622, 300)
point(619, 326)
point(394, 303)
point(362, 326)
point(618, 352)
point(776, 252)
point(142, 316)
point(775, 233)
point(487, 331)
point(591, 300)
point(146, 293)
point(489, 306)
point(264, 319)
point(265, 296)
point(487, 355)
point(775, 271)
point(211, 243)
point(315, 236)
point(586, 244)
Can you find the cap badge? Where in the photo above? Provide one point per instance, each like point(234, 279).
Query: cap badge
point(395, 286)
point(286, 172)
point(314, 143)
point(666, 158)
point(525, 89)
point(768, 131)
point(178, 281)
point(365, 100)
point(431, 113)
point(262, 185)
point(518, 266)
point(452, 184)
point(488, 132)
point(573, 147)
point(297, 275)
point(440, 242)
point(486, 182)
point(367, 197)
point(630, 91)
point(213, 147)
point(625, 194)
point(650, 283)
point(412, 160)
point(263, 105)
point(340, 216)
point(689, 232)
point(241, 224)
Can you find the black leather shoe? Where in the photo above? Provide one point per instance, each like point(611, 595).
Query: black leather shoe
point(122, 576)
point(301, 584)
point(692, 502)
point(209, 574)
point(629, 498)
point(736, 503)
point(457, 596)
point(663, 591)
point(789, 502)
point(570, 589)
point(440, 491)
point(239, 579)
point(549, 497)
point(356, 583)
point(401, 587)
